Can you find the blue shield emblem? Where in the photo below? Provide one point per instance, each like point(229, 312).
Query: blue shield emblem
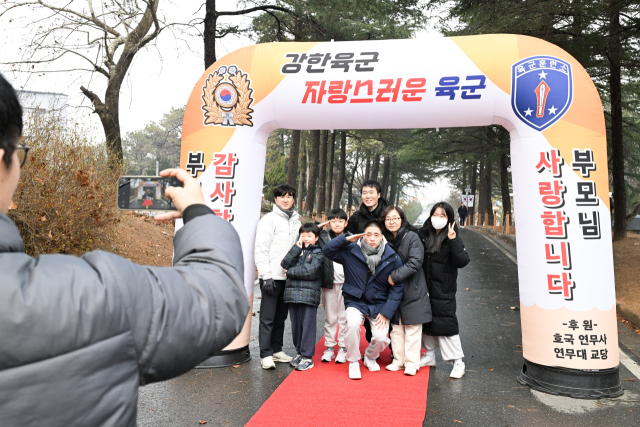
point(541, 90)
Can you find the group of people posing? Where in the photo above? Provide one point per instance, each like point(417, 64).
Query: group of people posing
point(373, 267)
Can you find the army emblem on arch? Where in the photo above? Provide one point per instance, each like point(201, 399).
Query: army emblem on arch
point(227, 97)
point(541, 90)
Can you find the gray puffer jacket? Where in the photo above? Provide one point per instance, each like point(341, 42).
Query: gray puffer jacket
point(415, 307)
point(79, 334)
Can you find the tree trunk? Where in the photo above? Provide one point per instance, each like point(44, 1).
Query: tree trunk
point(350, 190)
point(487, 205)
point(301, 180)
point(476, 179)
point(337, 195)
point(313, 172)
point(504, 186)
point(322, 176)
point(394, 181)
point(209, 35)
point(367, 169)
point(329, 184)
point(479, 187)
point(617, 141)
point(294, 153)
point(397, 203)
point(375, 168)
point(385, 176)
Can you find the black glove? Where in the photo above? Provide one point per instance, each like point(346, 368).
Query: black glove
point(268, 287)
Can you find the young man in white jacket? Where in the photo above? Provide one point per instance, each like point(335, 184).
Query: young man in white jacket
point(277, 232)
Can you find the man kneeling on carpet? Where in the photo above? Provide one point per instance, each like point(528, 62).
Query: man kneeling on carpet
point(303, 267)
point(367, 261)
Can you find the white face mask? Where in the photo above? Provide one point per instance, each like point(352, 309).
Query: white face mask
point(438, 222)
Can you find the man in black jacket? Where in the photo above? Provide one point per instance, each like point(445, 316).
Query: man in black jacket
point(372, 206)
point(370, 209)
point(462, 213)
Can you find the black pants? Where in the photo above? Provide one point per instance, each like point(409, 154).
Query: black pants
point(273, 313)
point(462, 218)
point(303, 328)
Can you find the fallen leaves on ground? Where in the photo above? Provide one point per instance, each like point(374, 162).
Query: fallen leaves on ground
point(202, 422)
point(491, 369)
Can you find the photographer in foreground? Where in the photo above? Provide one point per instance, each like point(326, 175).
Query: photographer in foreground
point(80, 334)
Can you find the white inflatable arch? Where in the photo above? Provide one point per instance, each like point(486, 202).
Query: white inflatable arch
point(537, 91)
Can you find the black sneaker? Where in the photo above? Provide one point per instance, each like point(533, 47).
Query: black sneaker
point(304, 364)
point(296, 360)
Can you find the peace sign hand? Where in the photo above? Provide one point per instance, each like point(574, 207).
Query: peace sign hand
point(353, 238)
point(452, 233)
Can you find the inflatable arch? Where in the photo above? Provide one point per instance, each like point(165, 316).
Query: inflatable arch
point(537, 91)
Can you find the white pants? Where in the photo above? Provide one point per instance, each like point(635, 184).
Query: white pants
point(379, 340)
point(406, 345)
point(334, 315)
point(450, 347)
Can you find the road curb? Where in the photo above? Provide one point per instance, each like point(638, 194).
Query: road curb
point(628, 314)
point(510, 239)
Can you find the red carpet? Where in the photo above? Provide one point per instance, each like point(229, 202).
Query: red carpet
point(325, 396)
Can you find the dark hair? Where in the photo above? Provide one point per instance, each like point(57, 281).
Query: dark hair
point(10, 120)
point(435, 238)
point(374, 223)
point(310, 227)
point(337, 213)
point(284, 190)
point(373, 184)
point(383, 216)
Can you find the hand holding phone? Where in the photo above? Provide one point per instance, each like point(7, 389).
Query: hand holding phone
point(182, 197)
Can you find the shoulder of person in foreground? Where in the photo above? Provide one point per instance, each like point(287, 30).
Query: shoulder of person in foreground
point(181, 315)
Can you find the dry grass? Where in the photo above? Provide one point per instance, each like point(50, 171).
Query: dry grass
point(66, 195)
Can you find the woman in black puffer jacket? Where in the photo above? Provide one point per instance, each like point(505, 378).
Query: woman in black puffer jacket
point(444, 254)
point(414, 309)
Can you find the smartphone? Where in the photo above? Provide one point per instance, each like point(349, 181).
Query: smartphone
point(146, 192)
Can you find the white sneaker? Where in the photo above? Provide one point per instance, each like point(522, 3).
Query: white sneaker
point(428, 360)
point(354, 371)
point(458, 369)
point(282, 357)
point(410, 370)
point(267, 363)
point(371, 364)
point(328, 355)
point(393, 367)
point(342, 355)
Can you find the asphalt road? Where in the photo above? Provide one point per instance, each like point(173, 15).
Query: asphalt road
point(488, 395)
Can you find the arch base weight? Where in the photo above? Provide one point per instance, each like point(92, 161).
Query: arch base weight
point(575, 383)
point(226, 358)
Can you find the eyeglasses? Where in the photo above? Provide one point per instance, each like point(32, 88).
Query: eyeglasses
point(22, 153)
point(395, 219)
